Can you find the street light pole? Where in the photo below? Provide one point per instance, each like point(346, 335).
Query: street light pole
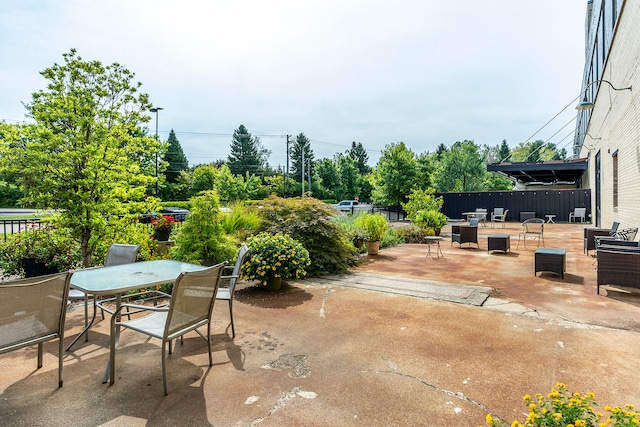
point(156, 110)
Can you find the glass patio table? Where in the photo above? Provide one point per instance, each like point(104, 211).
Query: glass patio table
point(119, 279)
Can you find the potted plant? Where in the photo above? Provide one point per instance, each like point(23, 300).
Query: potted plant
point(273, 257)
point(374, 227)
point(162, 226)
point(40, 249)
point(431, 221)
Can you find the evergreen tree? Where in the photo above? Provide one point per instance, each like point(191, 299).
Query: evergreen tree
point(175, 159)
point(359, 154)
point(247, 153)
point(300, 145)
point(504, 153)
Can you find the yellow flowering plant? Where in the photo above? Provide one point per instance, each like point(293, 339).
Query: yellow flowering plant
point(561, 408)
point(275, 255)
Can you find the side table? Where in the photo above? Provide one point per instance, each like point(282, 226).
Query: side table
point(434, 240)
point(550, 259)
point(550, 218)
point(498, 242)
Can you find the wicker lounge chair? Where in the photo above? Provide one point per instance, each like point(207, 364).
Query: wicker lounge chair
point(618, 265)
point(591, 232)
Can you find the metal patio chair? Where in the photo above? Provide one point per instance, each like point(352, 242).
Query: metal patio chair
point(533, 227)
point(33, 311)
point(190, 308)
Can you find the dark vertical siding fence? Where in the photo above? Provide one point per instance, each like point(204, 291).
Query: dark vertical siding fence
point(557, 202)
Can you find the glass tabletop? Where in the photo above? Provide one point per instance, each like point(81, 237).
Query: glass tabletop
point(122, 278)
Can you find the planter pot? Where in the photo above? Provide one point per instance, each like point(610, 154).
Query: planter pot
point(162, 235)
point(358, 243)
point(34, 267)
point(273, 283)
point(437, 231)
point(373, 247)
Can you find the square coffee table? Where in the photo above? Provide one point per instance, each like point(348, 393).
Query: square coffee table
point(550, 259)
point(498, 242)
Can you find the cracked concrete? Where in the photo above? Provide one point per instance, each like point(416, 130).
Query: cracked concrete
point(369, 357)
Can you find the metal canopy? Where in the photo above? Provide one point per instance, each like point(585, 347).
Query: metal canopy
point(554, 171)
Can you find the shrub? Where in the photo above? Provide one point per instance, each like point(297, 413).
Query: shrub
point(374, 225)
point(310, 222)
point(422, 200)
point(52, 246)
point(561, 408)
point(200, 239)
point(392, 237)
point(240, 222)
point(429, 220)
point(275, 255)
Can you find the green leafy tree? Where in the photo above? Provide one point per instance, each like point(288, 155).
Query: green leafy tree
point(394, 175)
point(175, 159)
point(537, 151)
point(426, 166)
point(327, 173)
point(204, 178)
point(301, 145)
point(349, 177)
point(359, 154)
point(83, 155)
point(462, 168)
point(247, 153)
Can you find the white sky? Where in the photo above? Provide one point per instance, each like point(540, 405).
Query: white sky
point(423, 72)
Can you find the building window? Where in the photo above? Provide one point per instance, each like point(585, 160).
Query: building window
point(615, 178)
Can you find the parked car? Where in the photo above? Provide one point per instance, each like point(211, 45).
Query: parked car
point(351, 205)
point(179, 214)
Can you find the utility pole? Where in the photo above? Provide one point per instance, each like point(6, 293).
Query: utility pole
point(302, 177)
point(286, 174)
point(156, 110)
point(309, 172)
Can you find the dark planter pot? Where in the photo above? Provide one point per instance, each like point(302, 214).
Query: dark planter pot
point(162, 235)
point(358, 243)
point(34, 267)
point(273, 283)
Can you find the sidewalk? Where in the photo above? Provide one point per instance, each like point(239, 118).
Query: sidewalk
point(324, 353)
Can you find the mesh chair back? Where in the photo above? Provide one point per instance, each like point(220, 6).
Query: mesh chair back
point(242, 254)
point(498, 211)
point(533, 226)
point(192, 299)
point(474, 222)
point(121, 254)
point(32, 310)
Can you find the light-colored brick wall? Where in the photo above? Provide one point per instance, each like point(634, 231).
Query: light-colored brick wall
point(615, 125)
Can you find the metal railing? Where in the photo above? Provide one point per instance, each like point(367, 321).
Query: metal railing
point(13, 226)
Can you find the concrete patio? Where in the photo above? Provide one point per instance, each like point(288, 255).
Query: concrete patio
point(353, 350)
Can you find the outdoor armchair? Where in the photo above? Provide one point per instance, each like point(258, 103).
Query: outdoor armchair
point(590, 234)
point(578, 213)
point(33, 311)
point(499, 215)
point(194, 294)
point(465, 233)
